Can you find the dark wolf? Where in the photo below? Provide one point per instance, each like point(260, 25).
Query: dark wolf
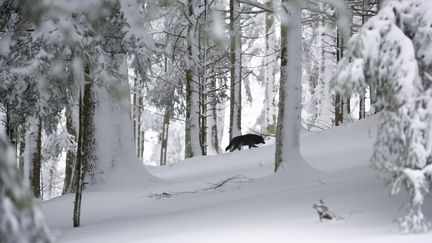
point(245, 140)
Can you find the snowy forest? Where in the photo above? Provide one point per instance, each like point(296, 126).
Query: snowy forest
point(215, 121)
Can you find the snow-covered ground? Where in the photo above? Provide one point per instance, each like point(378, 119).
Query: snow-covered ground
point(235, 197)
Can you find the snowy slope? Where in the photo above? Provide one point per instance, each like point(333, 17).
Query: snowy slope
point(235, 197)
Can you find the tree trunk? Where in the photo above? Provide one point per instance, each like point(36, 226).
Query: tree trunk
point(235, 72)
point(8, 125)
point(203, 114)
point(362, 101)
point(188, 124)
point(290, 95)
point(338, 110)
point(203, 118)
point(339, 102)
point(213, 138)
point(79, 173)
point(362, 107)
point(326, 41)
point(142, 141)
point(269, 118)
point(85, 151)
point(192, 138)
point(138, 139)
point(164, 138)
point(36, 162)
point(347, 109)
point(70, 155)
point(137, 102)
point(52, 174)
point(22, 145)
point(10, 130)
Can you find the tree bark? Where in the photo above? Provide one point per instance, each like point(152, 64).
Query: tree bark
point(22, 145)
point(36, 162)
point(138, 139)
point(235, 72)
point(140, 130)
point(85, 154)
point(362, 106)
point(339, 102)
point(192, 138)
point(338, 110)
point(164, 138)
point(213, 119)
point(289, 117)
point(79, 173)
point(362, 101)
point(269, 118)
point(70, 155)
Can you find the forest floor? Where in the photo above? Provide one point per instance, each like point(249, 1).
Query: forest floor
point(236, 197)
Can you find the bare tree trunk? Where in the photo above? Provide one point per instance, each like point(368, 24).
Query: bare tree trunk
point(79, 173)
point(188, 125)
point(86, 140)
point(192, 143)
point(11, 130)
point(203, 77)
point(338, 110)
point(142, 145)
point(52, 173)
point(36, 162)
point(339, 102)
point(134, 113)
point(70, 155)
point(269, 118)
point(213, 119)
point(164, 137)
point(8, 125)
point(362, 106)
point(85, 152)
point(203, 119)
point(141, 130)
point(137, 103)
point(289, 117)
point(22, 145)
point(138, 132)
point(347, 109)
point(362, 101)
point(235, 72)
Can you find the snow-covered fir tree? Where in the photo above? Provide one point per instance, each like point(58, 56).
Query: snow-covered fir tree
point(392, 54)
point(20, 219)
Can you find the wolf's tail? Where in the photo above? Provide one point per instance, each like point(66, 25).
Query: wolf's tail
point(229, 146)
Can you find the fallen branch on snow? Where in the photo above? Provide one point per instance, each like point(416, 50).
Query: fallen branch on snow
point(238, 179)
